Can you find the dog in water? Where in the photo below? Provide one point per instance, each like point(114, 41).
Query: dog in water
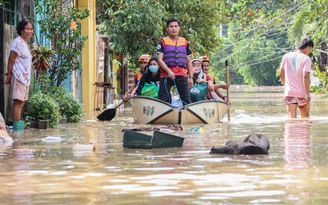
point(253, 144)
point(5, 139)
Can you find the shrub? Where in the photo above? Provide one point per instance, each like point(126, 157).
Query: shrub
point(69, 107)
point(42, 106)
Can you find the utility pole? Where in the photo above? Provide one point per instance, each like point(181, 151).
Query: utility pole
point(323, 55)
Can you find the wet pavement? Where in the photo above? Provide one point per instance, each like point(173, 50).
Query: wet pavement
point(60, 166)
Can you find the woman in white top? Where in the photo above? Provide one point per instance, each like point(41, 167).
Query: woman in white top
point(19, 67)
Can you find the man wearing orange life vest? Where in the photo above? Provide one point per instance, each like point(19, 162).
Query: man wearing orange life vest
point(206, 67)
point(143, 61)
point(173, 56)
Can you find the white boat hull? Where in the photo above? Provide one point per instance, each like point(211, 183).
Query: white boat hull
point(153, 111)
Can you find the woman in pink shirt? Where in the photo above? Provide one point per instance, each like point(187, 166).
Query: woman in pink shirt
point(19, 67)
point(295, 75)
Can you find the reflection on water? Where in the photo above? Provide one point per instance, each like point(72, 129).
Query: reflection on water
point(297, 151)
point(37, 171)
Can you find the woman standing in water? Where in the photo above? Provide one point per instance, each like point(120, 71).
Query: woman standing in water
point(19, 67)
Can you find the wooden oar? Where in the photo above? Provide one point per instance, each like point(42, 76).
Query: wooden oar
point(227, 81)
point(109, 114)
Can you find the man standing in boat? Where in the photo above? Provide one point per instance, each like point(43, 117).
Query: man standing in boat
point(143, 61)
point(173, 55)
point(295, 75)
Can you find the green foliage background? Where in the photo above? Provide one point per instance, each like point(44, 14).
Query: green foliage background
point(260, 32)
point(135, 27)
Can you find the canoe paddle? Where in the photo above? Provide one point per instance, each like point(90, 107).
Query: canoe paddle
point(109, 114)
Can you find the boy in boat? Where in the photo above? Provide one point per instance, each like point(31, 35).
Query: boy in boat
point(202, 82)
point(173, 55)
point(217, 93)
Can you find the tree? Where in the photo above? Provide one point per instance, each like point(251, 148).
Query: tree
point(67, 43)
point(256, 40)
point(310, 20)
point(135, 27)
point(200, 22)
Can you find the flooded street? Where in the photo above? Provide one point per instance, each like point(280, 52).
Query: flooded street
point(49, 167)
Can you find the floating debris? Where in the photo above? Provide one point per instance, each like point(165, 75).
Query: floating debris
point(52, 139)
point(253, 144)
point(84, 147)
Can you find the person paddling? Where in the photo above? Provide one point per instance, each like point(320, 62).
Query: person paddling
point(143, 61)
point(150, 77)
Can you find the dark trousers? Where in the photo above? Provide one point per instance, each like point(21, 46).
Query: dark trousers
point(165, 85)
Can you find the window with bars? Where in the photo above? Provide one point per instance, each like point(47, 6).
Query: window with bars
point(10, 15)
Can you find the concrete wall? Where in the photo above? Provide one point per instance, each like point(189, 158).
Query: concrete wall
point(9, 34)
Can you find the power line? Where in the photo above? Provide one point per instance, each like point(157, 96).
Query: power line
point(267, 23)
point(263, 61)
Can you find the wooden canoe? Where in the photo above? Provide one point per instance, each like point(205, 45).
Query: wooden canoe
point(153, 111)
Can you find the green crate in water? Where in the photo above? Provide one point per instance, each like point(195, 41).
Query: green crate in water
point(165, 140)
point(136, 140)
point(159, 139)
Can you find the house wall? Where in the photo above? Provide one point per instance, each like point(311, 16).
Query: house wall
point(9, 34)
point(25, 9)
point(2, 94)
point(118, 75)
point(88, 27)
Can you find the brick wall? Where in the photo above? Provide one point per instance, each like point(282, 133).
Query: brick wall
point(131, 78)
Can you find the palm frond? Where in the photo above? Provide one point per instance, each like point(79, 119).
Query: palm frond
point(295, 32)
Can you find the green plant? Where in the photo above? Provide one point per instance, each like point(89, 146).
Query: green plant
point(69, 106)
point(41, 59)
point(57, 23)
point(42, 106)
point(323, 81)
point(322, 76)
point(119, 90)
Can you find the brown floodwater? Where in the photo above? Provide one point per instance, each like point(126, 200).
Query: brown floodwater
point(47, 167)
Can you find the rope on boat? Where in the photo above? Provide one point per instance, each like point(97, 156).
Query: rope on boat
point(169, 94)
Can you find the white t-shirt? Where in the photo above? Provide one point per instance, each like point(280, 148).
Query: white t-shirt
point(294, 64)
point(23, 62)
